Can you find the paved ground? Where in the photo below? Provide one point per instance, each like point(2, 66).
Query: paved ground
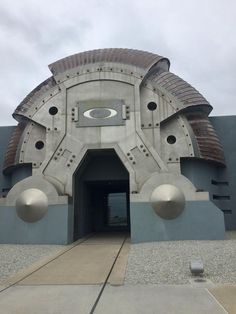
point(88, 277)
point(64, 299)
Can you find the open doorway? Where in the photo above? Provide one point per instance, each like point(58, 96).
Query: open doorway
point(101, 194)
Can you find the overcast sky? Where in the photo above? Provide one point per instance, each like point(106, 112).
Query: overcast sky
point(198, 36)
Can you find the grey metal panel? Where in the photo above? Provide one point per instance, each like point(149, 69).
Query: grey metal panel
point(133, 57)
point(5, 181)
point(100, 113)
point(225, 128)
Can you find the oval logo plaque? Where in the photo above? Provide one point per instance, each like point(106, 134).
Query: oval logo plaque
point(100, 113)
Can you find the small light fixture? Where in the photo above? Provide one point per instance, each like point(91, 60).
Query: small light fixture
point(196, 268)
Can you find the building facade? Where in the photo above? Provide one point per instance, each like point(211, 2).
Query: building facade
point(114, 141)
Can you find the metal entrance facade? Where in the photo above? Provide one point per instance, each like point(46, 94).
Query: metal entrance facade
point(115, 141)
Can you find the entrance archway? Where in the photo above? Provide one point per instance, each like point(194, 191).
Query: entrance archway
point(100, 194)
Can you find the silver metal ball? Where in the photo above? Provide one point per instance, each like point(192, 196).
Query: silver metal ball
point(168, 201)
point(31, 205)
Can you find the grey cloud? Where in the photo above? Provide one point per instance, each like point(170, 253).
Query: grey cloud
point(197, 36)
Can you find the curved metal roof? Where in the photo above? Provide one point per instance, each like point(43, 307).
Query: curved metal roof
point(157, 73)
point(138, 58)
point(208, 142)
point(180, 89)
point(34, 94)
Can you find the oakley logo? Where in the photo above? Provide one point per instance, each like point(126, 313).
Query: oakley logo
point(100, 113)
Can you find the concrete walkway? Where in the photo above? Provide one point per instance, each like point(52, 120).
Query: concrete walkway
point(89, 278)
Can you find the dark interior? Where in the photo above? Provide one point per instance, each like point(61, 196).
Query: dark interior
point(101, 194)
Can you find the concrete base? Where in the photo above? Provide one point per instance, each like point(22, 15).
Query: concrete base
point(200, 220)
point(55, 227)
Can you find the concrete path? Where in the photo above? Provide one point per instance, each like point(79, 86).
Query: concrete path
point(226, 295)
point(64, 299)
point(89, 278)
point(88, 263)
point(151, 299)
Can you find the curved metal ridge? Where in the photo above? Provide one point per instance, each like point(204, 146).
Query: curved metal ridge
point(138, 58)
point(29, 100)
point(208, 141)
point(10, 155)
point(179, 88)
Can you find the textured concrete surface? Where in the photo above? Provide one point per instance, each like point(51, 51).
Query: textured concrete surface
point(168, 262)
point(226, 295)
point(47, 289)
point(14, 258)
point(151, 299)
point(88, 263)
point(117, 275)
point(59, 299)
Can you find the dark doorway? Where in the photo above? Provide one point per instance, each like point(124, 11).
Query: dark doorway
point(101, 194)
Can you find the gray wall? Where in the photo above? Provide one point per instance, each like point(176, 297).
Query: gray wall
point(54, 228)
point(219, 181)
point(201, 220)
point(208, 176)
point(225, 127)
point(5, 181)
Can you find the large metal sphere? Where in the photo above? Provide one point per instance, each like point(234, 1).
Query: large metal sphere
point(32, 205)
point(168, 201)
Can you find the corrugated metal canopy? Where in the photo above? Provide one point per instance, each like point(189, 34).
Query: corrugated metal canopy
point(138, 58)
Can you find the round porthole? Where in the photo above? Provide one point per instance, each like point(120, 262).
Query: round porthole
point(39, 145)
point(152, 106)
point(53, 110)
point(171, 139)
